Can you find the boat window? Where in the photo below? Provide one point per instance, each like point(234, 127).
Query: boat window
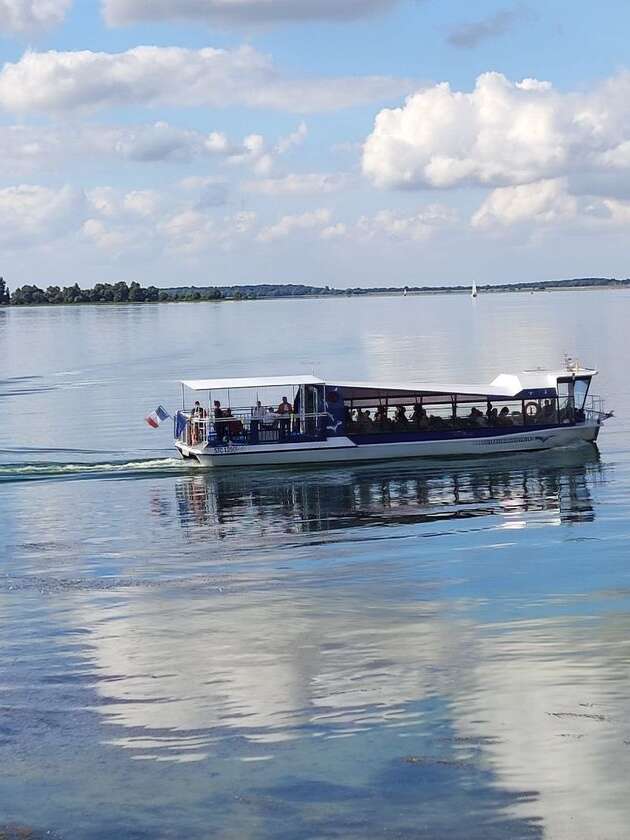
point(580, 390)
point(373, 416)
point(540, 411)
point(565, 400)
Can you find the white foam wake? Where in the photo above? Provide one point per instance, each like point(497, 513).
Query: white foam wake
point(50, 470)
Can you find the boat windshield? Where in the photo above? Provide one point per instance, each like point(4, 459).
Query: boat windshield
point(580, 390)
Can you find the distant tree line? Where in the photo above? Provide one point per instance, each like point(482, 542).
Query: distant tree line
point(101, 293)
point(121, 292)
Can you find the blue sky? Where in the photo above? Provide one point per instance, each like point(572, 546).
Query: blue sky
point(354, 142)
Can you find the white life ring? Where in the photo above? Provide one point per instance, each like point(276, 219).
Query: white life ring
point(532, 409)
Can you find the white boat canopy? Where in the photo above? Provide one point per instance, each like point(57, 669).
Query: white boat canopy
point(251, 382)
point(506, 385)
point(439, 388)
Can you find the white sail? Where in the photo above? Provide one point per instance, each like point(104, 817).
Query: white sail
point(473, 292)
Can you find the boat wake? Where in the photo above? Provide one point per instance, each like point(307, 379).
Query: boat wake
point(124, 469)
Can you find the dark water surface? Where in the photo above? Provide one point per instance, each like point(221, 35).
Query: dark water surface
point(414, 650)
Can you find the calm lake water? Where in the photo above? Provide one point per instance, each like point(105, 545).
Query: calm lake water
point(414, 650)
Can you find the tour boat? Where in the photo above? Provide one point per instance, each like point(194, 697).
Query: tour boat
point(303, 419)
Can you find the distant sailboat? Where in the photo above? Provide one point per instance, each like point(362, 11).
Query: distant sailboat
point(473, 291)
point(405, 292)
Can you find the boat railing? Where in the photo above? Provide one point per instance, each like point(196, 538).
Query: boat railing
point(595, 409)
point(243, 426)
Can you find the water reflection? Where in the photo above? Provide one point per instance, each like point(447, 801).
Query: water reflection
point(554, 695)
point(280, 652)
point(210, 505)
point(374, 655)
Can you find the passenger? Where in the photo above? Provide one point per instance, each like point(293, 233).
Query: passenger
point(475, 418)
point(219, 425)
point(419, 416)
point(348, 419)
point(366, 424)
point(200, 428)
point(504, 418)
point(234, 427)
point(285, 411)
point(493, 416)
point(548, 412)
point(196, 430)
point(380, 418)
point(259, 411)
point(401, 419)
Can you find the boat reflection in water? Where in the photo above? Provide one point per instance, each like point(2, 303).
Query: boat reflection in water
point(424, 673)
point(308, 501)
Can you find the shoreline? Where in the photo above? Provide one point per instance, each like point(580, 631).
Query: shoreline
point(356, 292)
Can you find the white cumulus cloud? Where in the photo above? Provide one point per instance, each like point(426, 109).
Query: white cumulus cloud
point(31, 214)
point(336, 231)
point(306, 183)
point(543, 202)
point(394, 225)
point(502, 133)
point(55, 82)
point(25, 16)
point(295, 138)
point(549, 204)
point(120, 12)
point(289, 224)
point(24, 148)
point(192, 232)
point(417, 227)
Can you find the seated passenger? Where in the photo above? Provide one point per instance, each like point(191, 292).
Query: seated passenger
point(476, 418)
point(548, 412)
point(365, 421)
point(401, 419)
point(419, 416)
point(504, 418)
point(493, 417)
point(380, 418)
point(234, 427)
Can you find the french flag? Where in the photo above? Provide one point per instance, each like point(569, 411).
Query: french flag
point(156, 417)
